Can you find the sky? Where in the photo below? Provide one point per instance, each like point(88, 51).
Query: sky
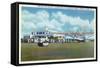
point(35, 19)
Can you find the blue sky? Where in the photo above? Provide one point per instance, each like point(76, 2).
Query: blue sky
point(56, 20)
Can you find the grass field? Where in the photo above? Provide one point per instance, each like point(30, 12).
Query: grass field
point(32, 52)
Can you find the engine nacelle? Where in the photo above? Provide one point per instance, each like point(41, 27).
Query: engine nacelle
point(42, 42)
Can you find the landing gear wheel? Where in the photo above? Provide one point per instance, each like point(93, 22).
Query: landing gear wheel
point(40, 44)
point(44, 44)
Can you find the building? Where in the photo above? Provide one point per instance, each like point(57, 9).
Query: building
point(52, 37)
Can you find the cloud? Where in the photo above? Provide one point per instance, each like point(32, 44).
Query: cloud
point(54, 22)
point(93, 24)
point(75, 21)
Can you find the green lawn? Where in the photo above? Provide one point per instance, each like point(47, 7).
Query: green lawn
point(32, 52)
